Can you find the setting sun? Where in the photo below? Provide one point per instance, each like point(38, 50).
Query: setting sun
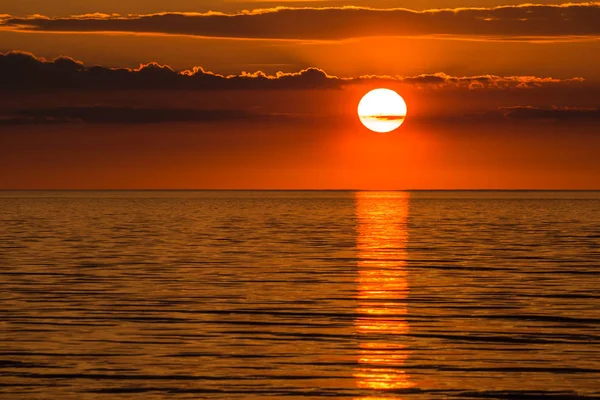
point(382, 110)
point(190, 206)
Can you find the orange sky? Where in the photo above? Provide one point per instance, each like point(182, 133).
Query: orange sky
point(492, 103)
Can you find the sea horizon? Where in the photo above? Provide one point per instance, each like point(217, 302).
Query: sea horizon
point(299, 190)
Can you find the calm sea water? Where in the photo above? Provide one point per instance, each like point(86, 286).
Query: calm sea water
point(284, 295)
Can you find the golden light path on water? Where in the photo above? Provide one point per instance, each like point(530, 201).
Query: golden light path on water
point(382, 291)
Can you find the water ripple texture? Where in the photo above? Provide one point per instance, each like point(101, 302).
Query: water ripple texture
point(289, 295)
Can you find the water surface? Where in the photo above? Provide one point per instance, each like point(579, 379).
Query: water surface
point(253, 295)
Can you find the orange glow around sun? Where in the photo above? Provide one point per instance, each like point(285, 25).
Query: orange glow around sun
point(382, 110)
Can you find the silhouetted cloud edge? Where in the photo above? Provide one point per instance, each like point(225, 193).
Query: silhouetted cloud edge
point(21, 71)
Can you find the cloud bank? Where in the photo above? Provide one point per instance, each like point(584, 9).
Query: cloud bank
point(23, 72)
point(554, 114)
point(334, 23)
point(122, 115)
point(103, 114)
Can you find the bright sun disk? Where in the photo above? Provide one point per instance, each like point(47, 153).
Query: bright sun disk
point(382, 110)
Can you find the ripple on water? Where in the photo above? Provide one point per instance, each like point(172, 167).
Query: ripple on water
point(358, 295)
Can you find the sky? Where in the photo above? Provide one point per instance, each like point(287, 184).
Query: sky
point(188, 94)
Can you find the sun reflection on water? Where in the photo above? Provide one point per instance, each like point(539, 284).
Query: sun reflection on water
point(382, 291)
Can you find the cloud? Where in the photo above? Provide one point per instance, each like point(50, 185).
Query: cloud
point(23, 72)
point(554, 114)
point(334, 23)
point(104, 114)
point(384, 117)
point(533, 114)
point(125, 115)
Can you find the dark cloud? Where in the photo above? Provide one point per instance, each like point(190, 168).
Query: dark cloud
point(331, 23)
point(533, 114)
point(385, 117)
point(126, 115)
point(101, 114)
point(580, 114)
point(24, 72)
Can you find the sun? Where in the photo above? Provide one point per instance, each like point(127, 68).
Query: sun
point(382, 110)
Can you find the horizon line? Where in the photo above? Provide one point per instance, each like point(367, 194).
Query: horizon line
point(300, 190)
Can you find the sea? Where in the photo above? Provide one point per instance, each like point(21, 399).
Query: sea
point(299, 295)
